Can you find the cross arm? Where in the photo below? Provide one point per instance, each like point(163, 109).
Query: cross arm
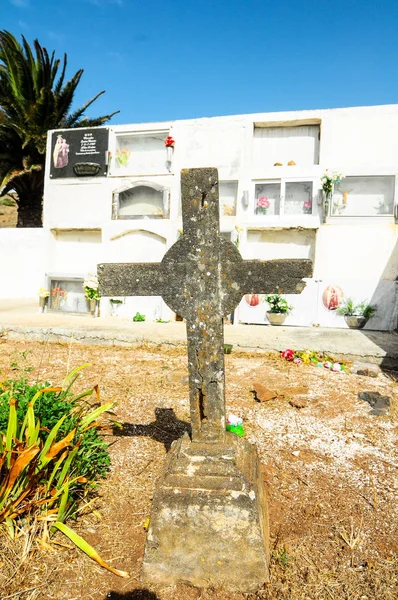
point(130, 279)
point(282, 276)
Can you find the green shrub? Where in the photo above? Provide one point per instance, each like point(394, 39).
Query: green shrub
point(139, 317)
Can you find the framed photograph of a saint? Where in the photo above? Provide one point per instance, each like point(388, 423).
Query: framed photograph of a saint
point(332, 297)
point(254, 299)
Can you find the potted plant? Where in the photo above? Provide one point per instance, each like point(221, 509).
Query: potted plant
point(279, 308)
point(356, 315)
point(90, 286)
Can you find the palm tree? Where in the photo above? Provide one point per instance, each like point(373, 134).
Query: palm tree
point(34, 97)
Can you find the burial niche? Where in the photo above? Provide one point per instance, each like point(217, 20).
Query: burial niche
point(141, 200)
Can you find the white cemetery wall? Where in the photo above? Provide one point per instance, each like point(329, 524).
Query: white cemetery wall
point(208, 142)
point(268, 245)
point(357, 141)
point(362, 140)
point(75, 251)
point(83, 205)
point(361, 260)
point(131, 242)
point(24, 255)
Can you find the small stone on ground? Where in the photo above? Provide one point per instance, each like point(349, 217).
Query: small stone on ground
point(380, 404)
point(364, 368)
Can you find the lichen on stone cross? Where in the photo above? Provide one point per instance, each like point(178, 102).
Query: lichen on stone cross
point(203, 277)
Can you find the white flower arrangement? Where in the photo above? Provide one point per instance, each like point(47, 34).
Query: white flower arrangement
point(328, 181)
point(90, 286)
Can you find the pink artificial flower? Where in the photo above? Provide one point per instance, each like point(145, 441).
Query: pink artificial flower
point(288, 354)
point(297, 361)
point(263, 202)
point(307, 205)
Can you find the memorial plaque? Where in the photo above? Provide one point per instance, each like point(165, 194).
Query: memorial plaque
point(79, 153)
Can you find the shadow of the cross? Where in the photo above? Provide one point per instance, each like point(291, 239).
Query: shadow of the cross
point(140, 594)
point(166, 428)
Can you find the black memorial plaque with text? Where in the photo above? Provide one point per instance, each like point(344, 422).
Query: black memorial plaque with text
point(79, 153)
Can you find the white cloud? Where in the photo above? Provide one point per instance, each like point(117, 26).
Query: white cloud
point(20, 3)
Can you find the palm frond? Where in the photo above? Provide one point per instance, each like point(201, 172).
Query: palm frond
point(34, 98)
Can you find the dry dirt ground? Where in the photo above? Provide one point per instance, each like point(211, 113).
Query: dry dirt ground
point(330, 476)
point(8, 216)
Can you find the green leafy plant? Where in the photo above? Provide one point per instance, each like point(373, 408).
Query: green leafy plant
point(115, 301)
point(51, 453)
point(349, 309)
point(277, 303)
point(282, 556)
point(138, 317)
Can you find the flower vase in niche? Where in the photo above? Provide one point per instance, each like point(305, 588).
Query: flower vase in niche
point(58, 296)
point(307, 207)
point(262, 205)
point(328, 181)
point(43, 299)
point(90, 286)
point(169, 145)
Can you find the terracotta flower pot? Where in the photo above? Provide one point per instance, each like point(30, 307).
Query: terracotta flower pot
point(276, 318)
point(355, 322)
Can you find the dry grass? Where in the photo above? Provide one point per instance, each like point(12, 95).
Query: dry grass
point(333, 509)
point(8, 216)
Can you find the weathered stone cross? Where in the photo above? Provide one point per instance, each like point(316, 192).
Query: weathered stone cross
point(209, 523)
point(203, 278)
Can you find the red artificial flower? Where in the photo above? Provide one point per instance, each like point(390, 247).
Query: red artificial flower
point(288, 354)
point(169, 142)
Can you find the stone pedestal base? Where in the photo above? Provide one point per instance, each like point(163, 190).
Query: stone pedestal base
point(209, 524)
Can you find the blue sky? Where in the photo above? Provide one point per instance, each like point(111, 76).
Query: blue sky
point(175, 59)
